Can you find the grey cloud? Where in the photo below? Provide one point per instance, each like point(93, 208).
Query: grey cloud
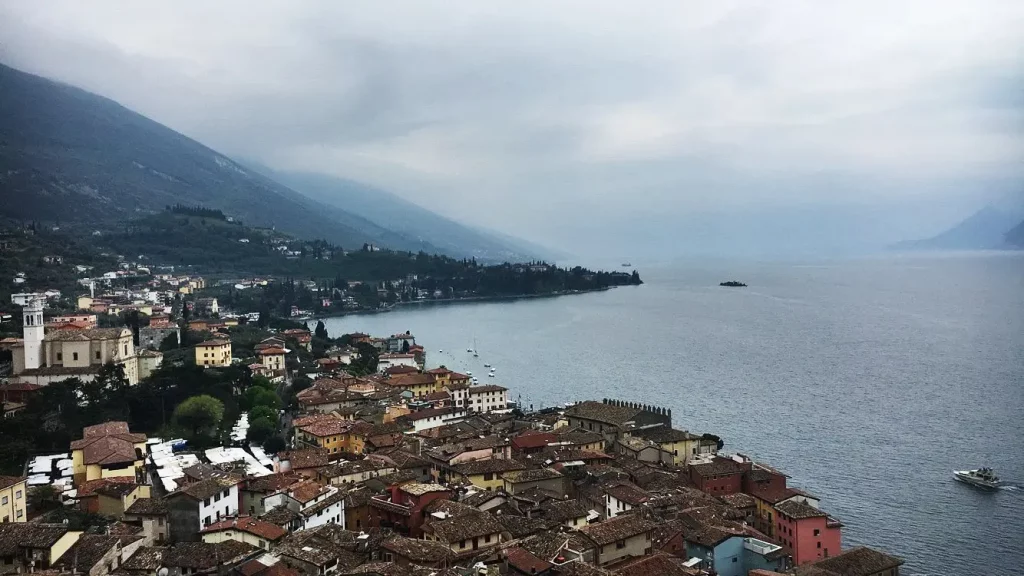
point(560, 121)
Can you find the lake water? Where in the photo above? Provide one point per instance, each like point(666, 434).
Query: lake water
point(866, 381)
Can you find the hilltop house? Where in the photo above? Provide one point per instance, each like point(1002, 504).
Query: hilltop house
point(213, 353)
point(108, 450)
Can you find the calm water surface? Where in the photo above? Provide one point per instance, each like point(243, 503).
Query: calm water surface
point(866, 381)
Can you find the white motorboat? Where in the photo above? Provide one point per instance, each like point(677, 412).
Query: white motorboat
point(487, 365)
point(982, 478)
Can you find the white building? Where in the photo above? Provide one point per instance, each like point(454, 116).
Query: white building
point(487, 398)
point(386, 361)
point(434, 417)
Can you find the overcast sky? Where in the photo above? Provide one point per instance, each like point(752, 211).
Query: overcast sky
point(589, 126)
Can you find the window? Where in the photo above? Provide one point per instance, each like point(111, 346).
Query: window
point(125, 349)
point(734, 559)
point(206, 502)
point(17, 495)
point(817, 532)
point(74, 355)
point(216, 497)
point(206, 521)
point(826, 552)
point(620, 544)
point(819, 544)
point(489, 476)
point(263, 543)
point(4, 501)
point(60, 357)
point(462, 544)
point(97, 354)
point(487, 539)
point(160, 521)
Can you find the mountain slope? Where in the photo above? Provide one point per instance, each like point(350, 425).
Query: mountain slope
point(1015, 237)
point(73, 156)
point(404, 217)
point(983, 230)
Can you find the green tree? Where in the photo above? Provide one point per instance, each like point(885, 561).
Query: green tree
point(170, 342)
point(43, 497)
point(274, 444)
point(255, 396)
point(367, 360)
point(260, 430)
point(199, 414)
point(321, 330)
point(264, 412)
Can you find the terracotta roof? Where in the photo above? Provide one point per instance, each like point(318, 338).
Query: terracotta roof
point(204, 555)
point(486, 388)
point(204, 488)
point(307, 491)
point(271, 352)
point(618, 528)
point(563, 510)
point(660, 564)
point(214, 343)
point(432, 412)
point(533, 439)
point(303, 459)
point(718, 467)
point(663, 435)
point(324, 504)
point(493, 465)
point(18, 386)
point(15, 535)
point(116, 487)
point(83, 335)
point(521, 526)
point(628, 493)
point(604, 413)
point(146, 558)
point(87, 552)
point(108, 443)
point(419, 489)
point(525, 562)
point(8, 481)
point(860, 561)
point(249, 525)
point(327, 427)
point(280, 516)
point(405, 380)
point(272, 482)
point(418, 551)
point(463, 527)
point(267, 565)
point(739, 500)
point(798, 510)
point(147, 507)
point(531, 475)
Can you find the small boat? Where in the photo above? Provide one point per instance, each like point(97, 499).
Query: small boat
point(982, 477)
point(491, 375)
point(440, 351)
point(626, 264)
point(470, 350)
point(732, 284)
point(468, 373)
point(487, 365)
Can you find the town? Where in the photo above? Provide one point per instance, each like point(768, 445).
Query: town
point(210, 441)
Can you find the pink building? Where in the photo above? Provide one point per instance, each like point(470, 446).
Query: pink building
point(806, 533)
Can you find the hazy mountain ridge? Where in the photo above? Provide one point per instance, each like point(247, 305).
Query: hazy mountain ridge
point(404, 217)
point(72, 156)
point(985, 229)
point(1015, 237)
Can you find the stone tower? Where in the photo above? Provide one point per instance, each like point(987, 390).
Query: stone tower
point(34, 330)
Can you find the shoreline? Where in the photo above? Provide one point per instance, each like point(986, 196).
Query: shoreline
point(450, 301)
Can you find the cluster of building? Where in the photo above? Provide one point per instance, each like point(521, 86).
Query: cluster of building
point(413, 472)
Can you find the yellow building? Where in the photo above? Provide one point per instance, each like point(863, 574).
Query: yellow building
point(683, 445)
point(258, 533)
point(325, 431)
point(84, 302)
point(107, 450)
point(13, 490)
point(486, 474)
point(114, 499)
point(418, 384)
point(213, 353)
point(272, 358)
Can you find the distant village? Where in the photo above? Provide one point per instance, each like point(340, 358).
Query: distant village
point(387, 465)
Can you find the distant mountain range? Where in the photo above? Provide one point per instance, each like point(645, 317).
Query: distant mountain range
point(403, 217)
point(71, 156)
point(992, 227)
